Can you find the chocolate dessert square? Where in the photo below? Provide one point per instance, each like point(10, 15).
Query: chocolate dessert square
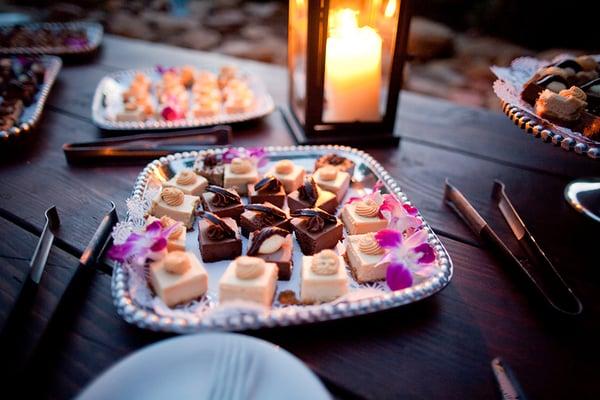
point(222, 202)
point(273, 245)
point(309, 195)
point(212, 168)
point(219, 238)
point(316, 230)
point(258, 216)
point(341, 163)
point(269, 189)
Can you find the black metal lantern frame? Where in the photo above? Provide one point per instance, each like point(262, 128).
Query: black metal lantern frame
point(308, 32)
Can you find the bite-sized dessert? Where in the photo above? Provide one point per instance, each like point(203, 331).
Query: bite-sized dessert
point(249, 279)
point(239, 97)
point(267, 190)
point(316, 230)
point(341, 163)
point(589, 126)
point(179, 277)
point(258, 216)
point(323, 277)
point(333, 180)
point(211, 167)
point(273, 245)
point(173, 203)
point(534, 87)
point(219, 238)
point(188, 182)
point(36, 36)
point(290, 174)
point(226, 74)
point(239, 173)
point(222, 202)
point(365, 258)
point(592, 91)
point(176, 240)
point(131, 113)
point(564, 108)
point(187, 74)
point(309, 195)
point(20, 80)
point(362, 216)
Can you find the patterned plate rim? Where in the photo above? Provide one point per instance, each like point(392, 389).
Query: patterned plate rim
point(145, 318)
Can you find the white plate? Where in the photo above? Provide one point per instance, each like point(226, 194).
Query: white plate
point(185, 368)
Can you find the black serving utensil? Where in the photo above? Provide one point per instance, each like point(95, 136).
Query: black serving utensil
point(509, 386)
point(145, 147)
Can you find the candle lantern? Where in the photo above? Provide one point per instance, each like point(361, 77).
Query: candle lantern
point(345, 61)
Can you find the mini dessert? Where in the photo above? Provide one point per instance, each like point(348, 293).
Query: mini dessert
point(239, 173)
point(341, 163)
point(592, 91)
point(186, 75)
point(333, 180)
point(222, 202)
point(309, 195)
point(258, 216)
point(564, 108)
point(323, 277)
point(273, 245)
point(131, 113)
point(290, 174)
point(534, 87)
point(178, 278)
point(365, 256)
point(211, 167)
point(188, 182)
point(176, 240)
point(362, 216)
point(316, 230)
point(173, 203)
point(219, 238)
point(269, 189)
point(249, 279)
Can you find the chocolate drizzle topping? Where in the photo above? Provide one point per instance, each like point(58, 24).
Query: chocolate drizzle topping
point(334, 159)
point(316, 218)
point(210, 160)
point(223, 197)
point(273, 212)
point(268, 184)
point(574, 65)
point(218, 229)
point(262, 235)
point(308, 191)
point(548, 79)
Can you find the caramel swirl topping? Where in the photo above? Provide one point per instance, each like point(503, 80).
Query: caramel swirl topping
point(172, 196)
point(249, 267)
point(325, 263)
point(284, 167)
point(166, 222)
point(367, 208)
point(328, 173)
point(186, 177)
point(240, 165)
point(223, 197)
point(369, 245)
point(177, 262)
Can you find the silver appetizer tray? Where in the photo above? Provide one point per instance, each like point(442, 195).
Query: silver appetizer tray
point(94, 32)
point(107, 100)
point(31, 114)
point(367, 172)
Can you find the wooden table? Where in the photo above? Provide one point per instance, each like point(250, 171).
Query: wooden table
point(438, 348)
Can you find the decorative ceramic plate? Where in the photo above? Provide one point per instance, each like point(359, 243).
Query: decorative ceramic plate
point(108, 102)
point(31, 114)
point(136, 303)
point(508, 88)
point(93, 30)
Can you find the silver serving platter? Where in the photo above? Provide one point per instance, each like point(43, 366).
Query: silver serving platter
point(31, 114)
point(115, 83)
point(367, 172)
point(94, 32)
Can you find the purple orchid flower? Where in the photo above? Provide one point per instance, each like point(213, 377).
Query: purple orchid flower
point(140, 246)
point(258, 155)
point(406, 257)
point(161, 70)
point(76, 43)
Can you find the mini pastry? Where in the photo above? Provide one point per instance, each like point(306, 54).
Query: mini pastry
point(178, 278)
point(273, 245)
point(239, 173)
point(206, 108)
point(219, 238)
point(188, 182)
point(290, 174)
point(362, 216)
point(131, 113)
point(249, 279)
point(364, 256)
point(341, 163)
point(333, 180)
point(309, 195)
point(227, 73)
point(564, 108)
point(222, 202)
point(211, 167)
point(533, 88)
point(258, 216)
point(176, 240)
point(323, 277)
point(173, 203)
point(187, 74)
point(268, 189)
point(316, 230)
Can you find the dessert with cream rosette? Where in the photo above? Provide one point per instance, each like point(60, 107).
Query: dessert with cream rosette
point(273, 245)
point(291, 175)
point(323, 277)
point(222, 202)
point(239, 173)
point(173, 203)
point(249, 279)
point(341, 163)
point(565, 107)
point(366, 258)
point(218, 238)
point(333, 180)
point(258, 216)
point(316, 230)
point(188, 182)
point(268, 189)
point(176, 239)
point(309, 195)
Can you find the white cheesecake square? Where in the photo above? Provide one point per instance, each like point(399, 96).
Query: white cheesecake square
point(183, 213)
point(175, 289)
point(339, 185)
point(259, 290)
point(239, 182)
point(291, 181)
point(174, 242)
point(364, 267)
point(195, 189)
point(357, 224)
point(316, 288)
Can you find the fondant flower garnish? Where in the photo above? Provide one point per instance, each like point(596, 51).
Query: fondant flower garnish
point(407, 257)
point(147, 244)
point(258, 155)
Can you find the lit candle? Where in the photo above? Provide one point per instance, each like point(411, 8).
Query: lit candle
point(352, 69)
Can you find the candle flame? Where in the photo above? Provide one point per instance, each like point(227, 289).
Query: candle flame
point(343, 22)
point(390, 9)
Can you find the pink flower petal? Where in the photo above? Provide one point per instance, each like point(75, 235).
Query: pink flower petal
point(410, 209)
point(388, 238)
point(170, 113)
point(159, 245)
point(428, 255)
point(154, 227)
point(398, 276)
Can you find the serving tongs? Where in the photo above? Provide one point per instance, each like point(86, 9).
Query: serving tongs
point(143, 147)
point(532, 261)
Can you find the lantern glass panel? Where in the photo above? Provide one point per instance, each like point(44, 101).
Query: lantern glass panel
point(297, 55)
